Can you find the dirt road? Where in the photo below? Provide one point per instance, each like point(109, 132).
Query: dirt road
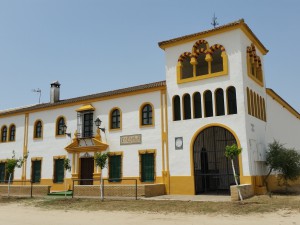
point(14, 214)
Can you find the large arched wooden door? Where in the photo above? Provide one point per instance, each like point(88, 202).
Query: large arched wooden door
point(212, 170)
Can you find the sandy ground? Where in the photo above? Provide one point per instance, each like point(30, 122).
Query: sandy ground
point(14, 214)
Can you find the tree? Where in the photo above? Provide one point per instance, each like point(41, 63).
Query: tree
point(11, 164)
point(67, 167)
point(101, 161)
point(285, 161)
point(232, 152)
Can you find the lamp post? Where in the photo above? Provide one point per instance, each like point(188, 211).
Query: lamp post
point(65, 130)
point(98, 124)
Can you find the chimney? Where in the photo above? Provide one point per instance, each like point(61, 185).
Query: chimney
point(54, 92)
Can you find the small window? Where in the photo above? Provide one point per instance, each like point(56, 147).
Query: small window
point(115, 166)
point(88, 124)
point(208, 104)
point(147, 115)
point(248, 101)
point(187, 68)
point(176, 108)
point(231, 100)
point(115, 119)
point(59, 172)
point(36, 171)
point(4, 134)
point(12, 133)
point(2, 172)
point(187, 107)
point(38, 129)
point(60, 126)
point(197, 105)
point(147, 167)
point(220, 108)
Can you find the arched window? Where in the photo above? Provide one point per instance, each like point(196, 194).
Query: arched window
point(202, 64)
point(255, 104)
point(197, 105)
point(252, 103)
point(264, 110)
point(115, 119)
point(248, 101)
point(176, 108)
point(4, 134)
point(259, 111)
point(12, 132)
point(60, 123)
point(146, 115)
point(38, 129)
point(187, 107)
point(185, 66)
point(231, 100)
point(208, 104)
point(219, 97)
point(254, 65)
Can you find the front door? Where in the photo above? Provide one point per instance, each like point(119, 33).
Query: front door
point(86, 171)
point(212, 170)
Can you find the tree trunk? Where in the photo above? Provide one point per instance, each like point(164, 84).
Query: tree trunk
point(101, 187)
point(9, 178)
point(236, 182)
point(65, 188)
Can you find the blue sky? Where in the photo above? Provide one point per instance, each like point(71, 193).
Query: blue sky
point(93, 46)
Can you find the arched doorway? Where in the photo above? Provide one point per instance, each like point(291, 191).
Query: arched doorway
point(212, 170)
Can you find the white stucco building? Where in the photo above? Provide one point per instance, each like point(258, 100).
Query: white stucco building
point(172, 132)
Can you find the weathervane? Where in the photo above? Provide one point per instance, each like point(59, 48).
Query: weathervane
point(214, 21)
point(38, 91)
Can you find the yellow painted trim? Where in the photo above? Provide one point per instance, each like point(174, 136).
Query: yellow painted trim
point(141, 114)
point(110, 120)
point(166, 174)
point(34, 130)
point(3, 160)
point(163, 138)
point(88, 107)
point(56, 126)
point(36, 158)
point(115, 153)
point(246, 30)
point(122, 95)
point(254, 76)
point(192, 148)
point(284, 104)
point(59, 157)
point(4, 126)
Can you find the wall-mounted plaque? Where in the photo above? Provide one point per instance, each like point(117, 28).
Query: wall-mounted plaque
point(178, 143)
point(131, 139)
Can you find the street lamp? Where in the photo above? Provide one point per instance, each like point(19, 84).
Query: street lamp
point(98, 124)
point(65, 130)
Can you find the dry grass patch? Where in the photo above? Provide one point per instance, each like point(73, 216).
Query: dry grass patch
point(258, 204)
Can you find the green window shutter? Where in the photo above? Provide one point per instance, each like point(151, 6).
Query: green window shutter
point(2, 172)
point(59, 171)
point(115, 167)
point(147, 161)
point(36, 171)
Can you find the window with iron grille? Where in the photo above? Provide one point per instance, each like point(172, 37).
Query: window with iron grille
point(36, 171)
point(85, 124)
point(38, 129)
point(147, 167)
point(60, 126)
point(2, 172)
point(115, 119)
point(115, 167)
point(59, 172)
point(147, 115)
point(12, 133)
point(4, 134)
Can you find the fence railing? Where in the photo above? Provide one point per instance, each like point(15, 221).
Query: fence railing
point(22, 188)
point(110, 187)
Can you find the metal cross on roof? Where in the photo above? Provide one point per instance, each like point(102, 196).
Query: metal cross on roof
point(214, 21)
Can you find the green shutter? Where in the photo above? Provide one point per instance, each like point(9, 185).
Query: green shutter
point(115, 168)
point(36, 171)
point(2, 172)
point(59, 171)
point(147, 161)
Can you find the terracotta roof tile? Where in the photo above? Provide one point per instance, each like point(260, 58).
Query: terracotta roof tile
point(84, 98)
